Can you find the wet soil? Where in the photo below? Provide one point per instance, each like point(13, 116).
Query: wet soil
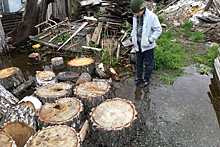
point(182, 114)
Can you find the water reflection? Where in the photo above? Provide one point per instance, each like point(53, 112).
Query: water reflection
point(214, 96)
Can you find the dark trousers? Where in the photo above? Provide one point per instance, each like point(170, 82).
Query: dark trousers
point(145, 59)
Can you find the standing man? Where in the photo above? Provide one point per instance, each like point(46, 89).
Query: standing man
point(146, 29)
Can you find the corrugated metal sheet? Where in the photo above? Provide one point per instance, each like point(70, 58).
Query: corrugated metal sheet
point(10, 21)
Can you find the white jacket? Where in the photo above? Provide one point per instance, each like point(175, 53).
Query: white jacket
point(151, 31)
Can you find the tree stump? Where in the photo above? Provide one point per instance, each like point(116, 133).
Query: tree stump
point(45, 77)
point(52, 136)
point(6, 140)
point(11, 77)
point(20, 124)
point(84, 77)
point(34, 58)
point(66, 111)
point(80, 65)
point(57, 63)
point(51, 92)
point(112, 122)
point(92, 94)
point(67, 76)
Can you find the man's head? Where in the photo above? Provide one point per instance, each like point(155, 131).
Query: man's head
point(137, 5)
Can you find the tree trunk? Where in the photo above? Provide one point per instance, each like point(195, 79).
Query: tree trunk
point(52, 92)
point(55, 136)
point(92, 94)
point(112, 123)
point(66, 111)
point(80, 65)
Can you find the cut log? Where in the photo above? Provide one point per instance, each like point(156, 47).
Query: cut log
point(112, 122)
point(66, 111)
point(92, 94)
point(11, 77)
point(114, 74)
point(60, 136)
point(84, 77)
point(45, 77)
point(34, 58)
point(20, 124)
point(80, 65)
point(57, 62)
point(6, 140)
point(51, 92)
point(100, 73)
point(68, 76)
point(109, 81)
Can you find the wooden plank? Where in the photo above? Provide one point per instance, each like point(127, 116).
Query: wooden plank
point(97, 34)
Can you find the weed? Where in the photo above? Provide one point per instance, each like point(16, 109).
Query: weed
point(186, 28)
point(197, 35)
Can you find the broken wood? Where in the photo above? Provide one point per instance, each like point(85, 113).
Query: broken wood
point(61, 135)
point(66, 111)
point(11, 77)
point(80, 28)
point(23, 87)
point(57, 62)
point(45, 77)
point(97, 34)
point(68, 76)
point(34, 58)
point(6, 140)
point(52, 92)
point(84, 131)
point(92, 94)
point(80, 65)
point(112, 122)
point(84, 77)
point(114, 74)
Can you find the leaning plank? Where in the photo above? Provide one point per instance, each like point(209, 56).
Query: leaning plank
point(77, 31)
point(113, 122)
point(66, 111)
point(55, 136)
point(51, 92)
point(97, 33)
point(6, 140)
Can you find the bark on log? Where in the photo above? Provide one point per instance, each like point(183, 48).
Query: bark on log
point(20, 124)
point(11, 77)
point(100, 73)
point(84, 77)
point(66, 111)
point(55, 136)
point(45, 77)
point(35, 101)
point(6, 140)
point(57, 63)
point(7, 97)
point(52, 92)
point(67, 76)
point(92, 94)
point(112, 123)
point(34, 58)
point(80, 65)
